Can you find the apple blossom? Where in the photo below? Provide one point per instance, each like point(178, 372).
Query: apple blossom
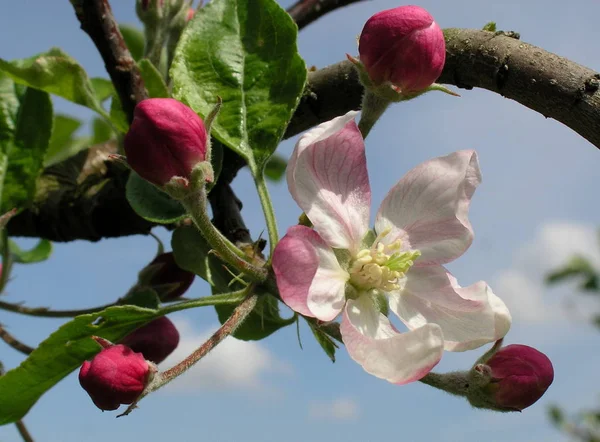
point(342, 267)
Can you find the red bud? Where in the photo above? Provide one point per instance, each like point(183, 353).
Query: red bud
point(115, 376)
point(166, 139)
point(155, 340)
point(404, 46)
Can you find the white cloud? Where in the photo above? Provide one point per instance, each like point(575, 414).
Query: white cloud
point(232, 365)
point(522, 285)
point(337, 409)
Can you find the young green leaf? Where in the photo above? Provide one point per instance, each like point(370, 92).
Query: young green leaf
point(324, 340)
point(28, 149)
point(101, 130)
point(117, 116)
point(57, 73)
point(151, 203)
point(9, 107)
point(153, 80)
point(134, 39)
point(63, 129)
point(41, 252)
point(275, 168)
point(245, 53)
point(103, 88)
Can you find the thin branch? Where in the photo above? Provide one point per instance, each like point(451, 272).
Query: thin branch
point(47, 313)
point(98, 21)
point(304, 12)
point(22, 429)
point(14, 342)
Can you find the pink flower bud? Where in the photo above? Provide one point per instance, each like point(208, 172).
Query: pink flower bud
point(115, 376)
point(155, 340)
point(190, 14)
point(165, 140)
point(404, 46)
point(520, 375)
point(168, 279)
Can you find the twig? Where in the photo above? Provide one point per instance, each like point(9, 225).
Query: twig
point(304, 12)
point(98, 21)
point(47, 313)
point(22, 429)
point(14, 342)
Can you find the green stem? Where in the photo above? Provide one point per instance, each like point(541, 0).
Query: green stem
point(373, 107)
point(238, 316)
point(195, 204)
point(267, 206)
point(456, 383)
point(232, 298)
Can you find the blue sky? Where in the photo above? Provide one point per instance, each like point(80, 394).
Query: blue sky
point(535, 207)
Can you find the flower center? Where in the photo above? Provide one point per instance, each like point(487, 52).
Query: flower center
point(381, 267)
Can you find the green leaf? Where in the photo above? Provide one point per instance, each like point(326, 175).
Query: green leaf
point(102, 131)
point(245, 53)
point(103, 88)
point(275, 168)
point(142, 297)
point(61, 353)
point(57, 73)
point(151, 203)
point(117, 115)
point(41, 252)
point(134, 39)
point(28, 149)
point(577, 266)
point(323, 339)
point(9, 107)
point(153, 80)
point(490, 26)
point(192, 253)
point(63, 129)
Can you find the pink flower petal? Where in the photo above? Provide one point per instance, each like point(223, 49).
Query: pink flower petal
point(327, 176)
point(428, 208)
point(373, 342)
point(468, 316)
point(309, 277)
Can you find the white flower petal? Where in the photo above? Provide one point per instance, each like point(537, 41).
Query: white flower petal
point(428, 208)
point(327, 176)
point(468, 316)
point(373, 342)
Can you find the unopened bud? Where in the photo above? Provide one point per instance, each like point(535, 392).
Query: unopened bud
point(403, 46)
point(155, 340)
point(512, 379)
point(167, 139)
point(117, 375)
point(165, 277)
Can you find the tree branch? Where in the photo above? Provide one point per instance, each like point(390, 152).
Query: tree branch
point(304, 12)
point(98, 21)
point(14, 342)
point(549, 84)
